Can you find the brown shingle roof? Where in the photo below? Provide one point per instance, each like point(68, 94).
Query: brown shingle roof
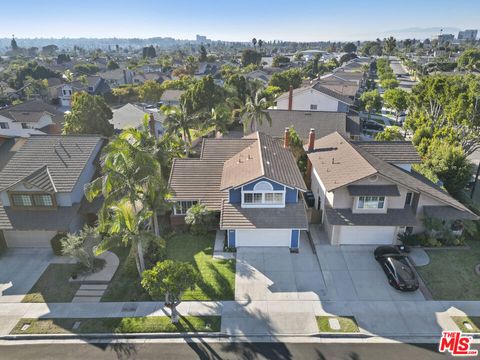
point(292, 216)
point(398, 152)
point(339, 162)
point(265, 158)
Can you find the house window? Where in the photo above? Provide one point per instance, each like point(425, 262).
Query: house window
point(371, 202)
point(263, 198)
point(32, 200)
point(22, 200)
point(408, 199)
point(24, 126)
point(43, 200)
point(4, 125)
point(181, 207)
point(313, 107)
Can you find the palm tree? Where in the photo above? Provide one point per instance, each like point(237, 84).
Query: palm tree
point(254, 112)
point(179, 121)
point(127, 225)
point(389, 45)
point(260, 44)
point(220, 117)
point(154, 197)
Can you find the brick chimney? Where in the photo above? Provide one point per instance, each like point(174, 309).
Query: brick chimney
point(286, 138)
point(311, 140)
point(151, 124)
point(290, 98)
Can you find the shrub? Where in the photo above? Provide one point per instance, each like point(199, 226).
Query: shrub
point(199, 218)
point(81, 247)
point(56, 244)
point(154, 252)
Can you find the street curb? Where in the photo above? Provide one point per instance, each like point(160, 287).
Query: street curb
point(97, 336)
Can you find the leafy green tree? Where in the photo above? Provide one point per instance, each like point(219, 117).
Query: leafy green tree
point(36, 88)
point(391, 133)
point(49, 49)
point(86, 69)
point(280, 60)
point(450, 165)
point(371, 101)
point(250, 56)
point(112, 65)
point(389, 83)
point(199, 218)
point(469, 60)
point(370, 48)
point(347, 57)
point(203, 95)
point(191, 65)
point(149, 52)
point(239, 83)
point(254, 42)
point(151, 91)
point(13, 44)
point(89, 115)
point(449, 106)
point(169, 280)
point(396, 99)
point(285, 79)
point(63, 58)
point(349, 47)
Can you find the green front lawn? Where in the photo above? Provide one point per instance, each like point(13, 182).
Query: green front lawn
point(217, 276)
point(473, 321)
point(153, 324)
point(348, 324)
point(451, 273)
point(53, 285)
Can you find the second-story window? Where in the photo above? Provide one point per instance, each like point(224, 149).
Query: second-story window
point(32, 200)
point(263, 198)
point(371, 202)
point(4, 125)
point(313, 107)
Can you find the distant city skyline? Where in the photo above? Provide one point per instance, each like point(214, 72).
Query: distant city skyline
point(308, 20)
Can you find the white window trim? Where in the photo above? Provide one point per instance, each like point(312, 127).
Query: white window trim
point(263, 204)
point(382, 209)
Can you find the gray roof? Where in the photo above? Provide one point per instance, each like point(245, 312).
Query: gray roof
point(41, 179)
point(373, 190)
point(324, 122)
point(64, 156)
point(58, 219)
point(393, 217)
point(292, 216)
point(447, 213)
point(131, 116)
point(172, 95)
point(398, 152)
point(29, 111)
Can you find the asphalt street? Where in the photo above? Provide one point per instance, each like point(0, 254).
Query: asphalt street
point(215, 351)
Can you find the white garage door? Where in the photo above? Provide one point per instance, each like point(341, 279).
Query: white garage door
point(28, 238)
point(366, 235)
point(263, 238)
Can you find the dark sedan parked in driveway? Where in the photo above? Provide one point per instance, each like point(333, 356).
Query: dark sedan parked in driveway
point(399, 272)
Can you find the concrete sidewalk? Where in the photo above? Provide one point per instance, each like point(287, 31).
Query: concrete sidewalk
point(258, 318)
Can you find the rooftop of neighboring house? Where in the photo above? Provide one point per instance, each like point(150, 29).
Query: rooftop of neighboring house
point(324, 123)
point(321, 89)
point(340, 162)
point(228, 163)
point(50, 162)
point(342, 87)
point(114, 74)
point(172, 95)
point(31, 112)
point(131, 115)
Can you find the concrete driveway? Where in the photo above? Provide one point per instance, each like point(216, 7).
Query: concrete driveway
point(20, 270)
point(351, 273)
point(266, 273)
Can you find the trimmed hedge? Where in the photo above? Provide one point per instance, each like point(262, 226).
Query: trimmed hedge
point(56, 244)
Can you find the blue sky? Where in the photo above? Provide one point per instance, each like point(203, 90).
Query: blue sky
point(301, 20)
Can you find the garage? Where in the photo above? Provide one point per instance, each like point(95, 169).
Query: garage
point(366, 235)
point(263, 237)
point(17, 238)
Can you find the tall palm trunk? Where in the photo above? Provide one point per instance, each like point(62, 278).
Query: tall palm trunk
point(156, 228)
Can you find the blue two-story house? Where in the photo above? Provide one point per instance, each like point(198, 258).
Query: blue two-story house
point(253, 183)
